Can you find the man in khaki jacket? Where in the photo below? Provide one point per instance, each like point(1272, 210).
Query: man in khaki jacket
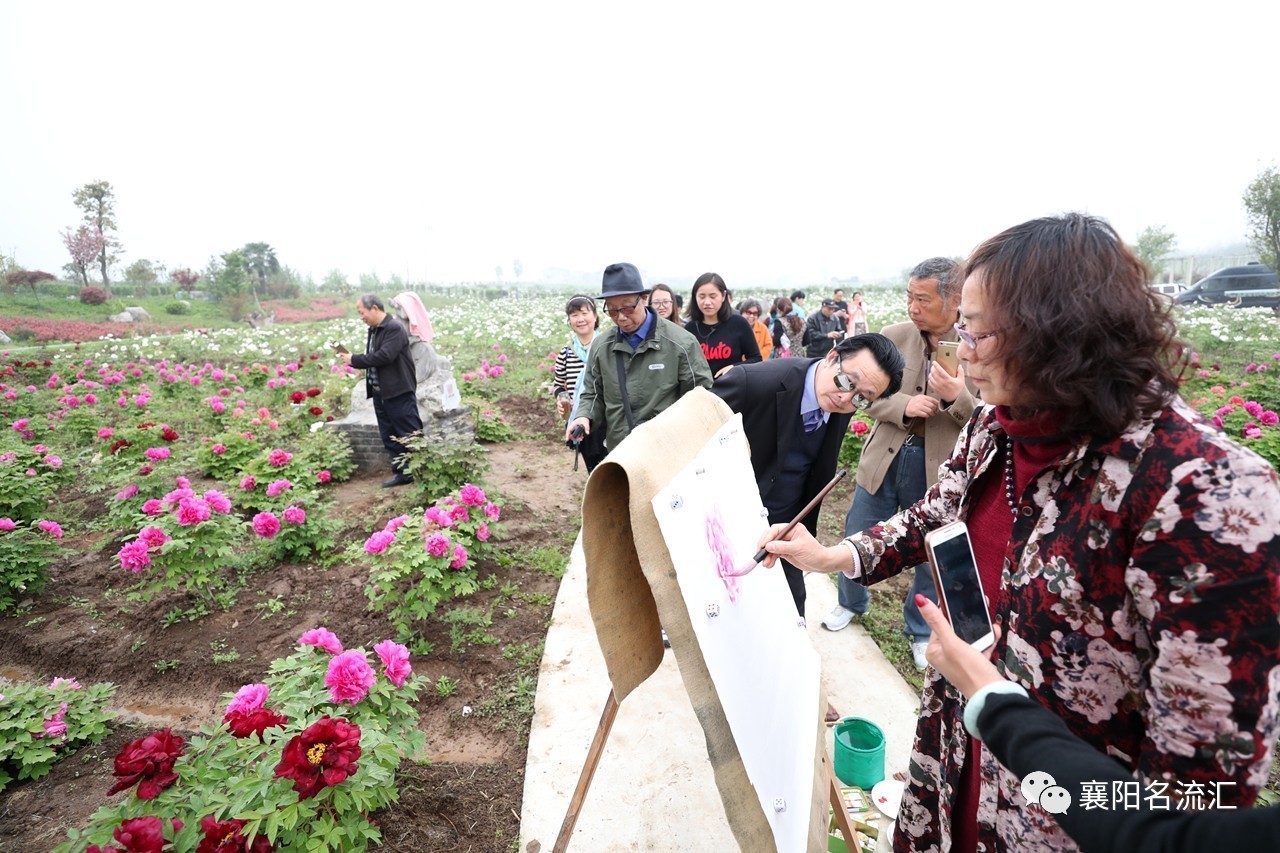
point(914, 434)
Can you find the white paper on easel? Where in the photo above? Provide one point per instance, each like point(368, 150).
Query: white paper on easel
point(765, 670)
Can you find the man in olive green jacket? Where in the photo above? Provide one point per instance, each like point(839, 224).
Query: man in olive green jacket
point(660, 362)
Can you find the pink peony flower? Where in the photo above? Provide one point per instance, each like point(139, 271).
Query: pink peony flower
point(1253, 408)
point(324, 476)
point(218, 449)
point(248, 483)
point(461, 513)
point(492, 511)
point(1251, 430)
point(379, 542)
point(106, 432)
point(153, 507)
point(193, 510)
point(459, 560)
point(1217, 421)
point(183, 483)
point(266, 525)
point(127, 492)
point(295, 514)
point(437, 545)
point(54, 726)
point(396, 523)
point(1269, 418)
point(7, 524)
point(51, 527)
point(482, 532)
point(349, 677)
point(134, 556)
point(69, 683)
point(155, 454)
point(217, 501)
point(322, 638)
point(858, 427)
point(52, 461)
point(249, 698)
point(154, 537)
point(439, 517)
point(277, 486)
point(472, 495)
point(279, 458)
point(395, 661)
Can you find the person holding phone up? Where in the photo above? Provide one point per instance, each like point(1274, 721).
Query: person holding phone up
point(914, 434)
point(1129, 551)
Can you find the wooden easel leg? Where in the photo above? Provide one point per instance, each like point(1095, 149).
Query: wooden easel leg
point(837, 805)
point(588, 771)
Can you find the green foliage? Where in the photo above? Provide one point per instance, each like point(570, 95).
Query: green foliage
point(492, 427)
point(197, 558)
point(227, 456)
point(26, 751)
point(229, 778)
point(468, 626)
point(439, 468)
point(26, 553)
point(23, 496)
point(177, 307)
point(1154, 243)
point(1262, 210)
point(445, 686)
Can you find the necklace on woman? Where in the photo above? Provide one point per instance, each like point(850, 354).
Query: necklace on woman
point(1008, 474)
point(704, 336)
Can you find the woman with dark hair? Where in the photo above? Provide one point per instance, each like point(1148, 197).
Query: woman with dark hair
point(788, 331)
point(570, 362)
point(1130, 553)
point(663, 303)
point(750, 311)
point(726, 339)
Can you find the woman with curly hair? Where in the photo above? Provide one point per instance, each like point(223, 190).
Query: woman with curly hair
point(1129, 551)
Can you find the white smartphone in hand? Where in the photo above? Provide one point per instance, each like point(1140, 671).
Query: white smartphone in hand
point(955, 575)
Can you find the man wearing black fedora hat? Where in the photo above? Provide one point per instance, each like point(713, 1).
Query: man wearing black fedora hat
point(642, 368)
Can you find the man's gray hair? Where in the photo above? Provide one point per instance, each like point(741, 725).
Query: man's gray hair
point(945, 270)
point(370, 300)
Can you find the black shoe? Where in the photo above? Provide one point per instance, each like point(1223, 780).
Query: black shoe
point(397, 480)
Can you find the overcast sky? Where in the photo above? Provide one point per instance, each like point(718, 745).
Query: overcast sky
point(439, 141)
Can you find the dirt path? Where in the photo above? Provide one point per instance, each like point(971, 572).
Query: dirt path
point(174, 672)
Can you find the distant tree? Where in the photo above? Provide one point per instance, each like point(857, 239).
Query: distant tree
point(141, 272)
point(98, 201)
point(1262, 204)
point(1154, 243)
point(26, 278)
point(336, 279)
point(85, 245)
point(8, 264)
point(185, 277)
point(260, 260)
point(517, 267)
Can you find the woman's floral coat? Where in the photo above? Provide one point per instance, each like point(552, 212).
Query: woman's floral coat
point(1140, 602)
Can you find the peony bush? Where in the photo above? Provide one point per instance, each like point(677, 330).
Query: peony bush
point(40, 725)
point(299, 761)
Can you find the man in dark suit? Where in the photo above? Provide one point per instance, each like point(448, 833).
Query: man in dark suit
point(796, 413)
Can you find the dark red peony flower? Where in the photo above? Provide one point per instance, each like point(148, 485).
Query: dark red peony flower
point(146, 425)
point(148, 763)
point(120, 442)
point(313, 392)
point(139, 835)
point(224, 837)
point(323, 755)
point(297, 396)
point(169, 434)
point(316, 410)
point(245, 723)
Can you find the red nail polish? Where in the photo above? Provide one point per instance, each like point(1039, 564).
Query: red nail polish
point(920, 599)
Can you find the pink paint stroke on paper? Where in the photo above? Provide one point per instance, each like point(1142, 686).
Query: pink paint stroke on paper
point(718, 542)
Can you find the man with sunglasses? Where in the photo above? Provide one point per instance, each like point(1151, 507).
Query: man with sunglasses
point(796, 413)
point(914, 433)
point(638, 371)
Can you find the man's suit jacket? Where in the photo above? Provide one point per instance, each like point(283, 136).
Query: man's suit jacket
point(768, 396)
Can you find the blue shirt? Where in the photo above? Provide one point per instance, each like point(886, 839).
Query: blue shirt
point(809, 399)
point(639, 334)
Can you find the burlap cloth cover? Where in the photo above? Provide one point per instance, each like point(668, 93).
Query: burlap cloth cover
point(632, 593)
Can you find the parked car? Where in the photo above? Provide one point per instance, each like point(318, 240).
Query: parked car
point(1249, 286)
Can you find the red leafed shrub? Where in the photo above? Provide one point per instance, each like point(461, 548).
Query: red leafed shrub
point(93, 295)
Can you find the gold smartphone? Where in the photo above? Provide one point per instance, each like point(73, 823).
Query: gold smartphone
point(948, 357)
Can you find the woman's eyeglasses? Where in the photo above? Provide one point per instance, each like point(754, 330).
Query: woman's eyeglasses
point(662, 303)
point(971, 339)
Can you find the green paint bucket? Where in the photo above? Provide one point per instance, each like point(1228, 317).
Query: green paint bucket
point(859, 752)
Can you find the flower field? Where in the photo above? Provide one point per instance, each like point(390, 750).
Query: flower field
point(237, 636)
